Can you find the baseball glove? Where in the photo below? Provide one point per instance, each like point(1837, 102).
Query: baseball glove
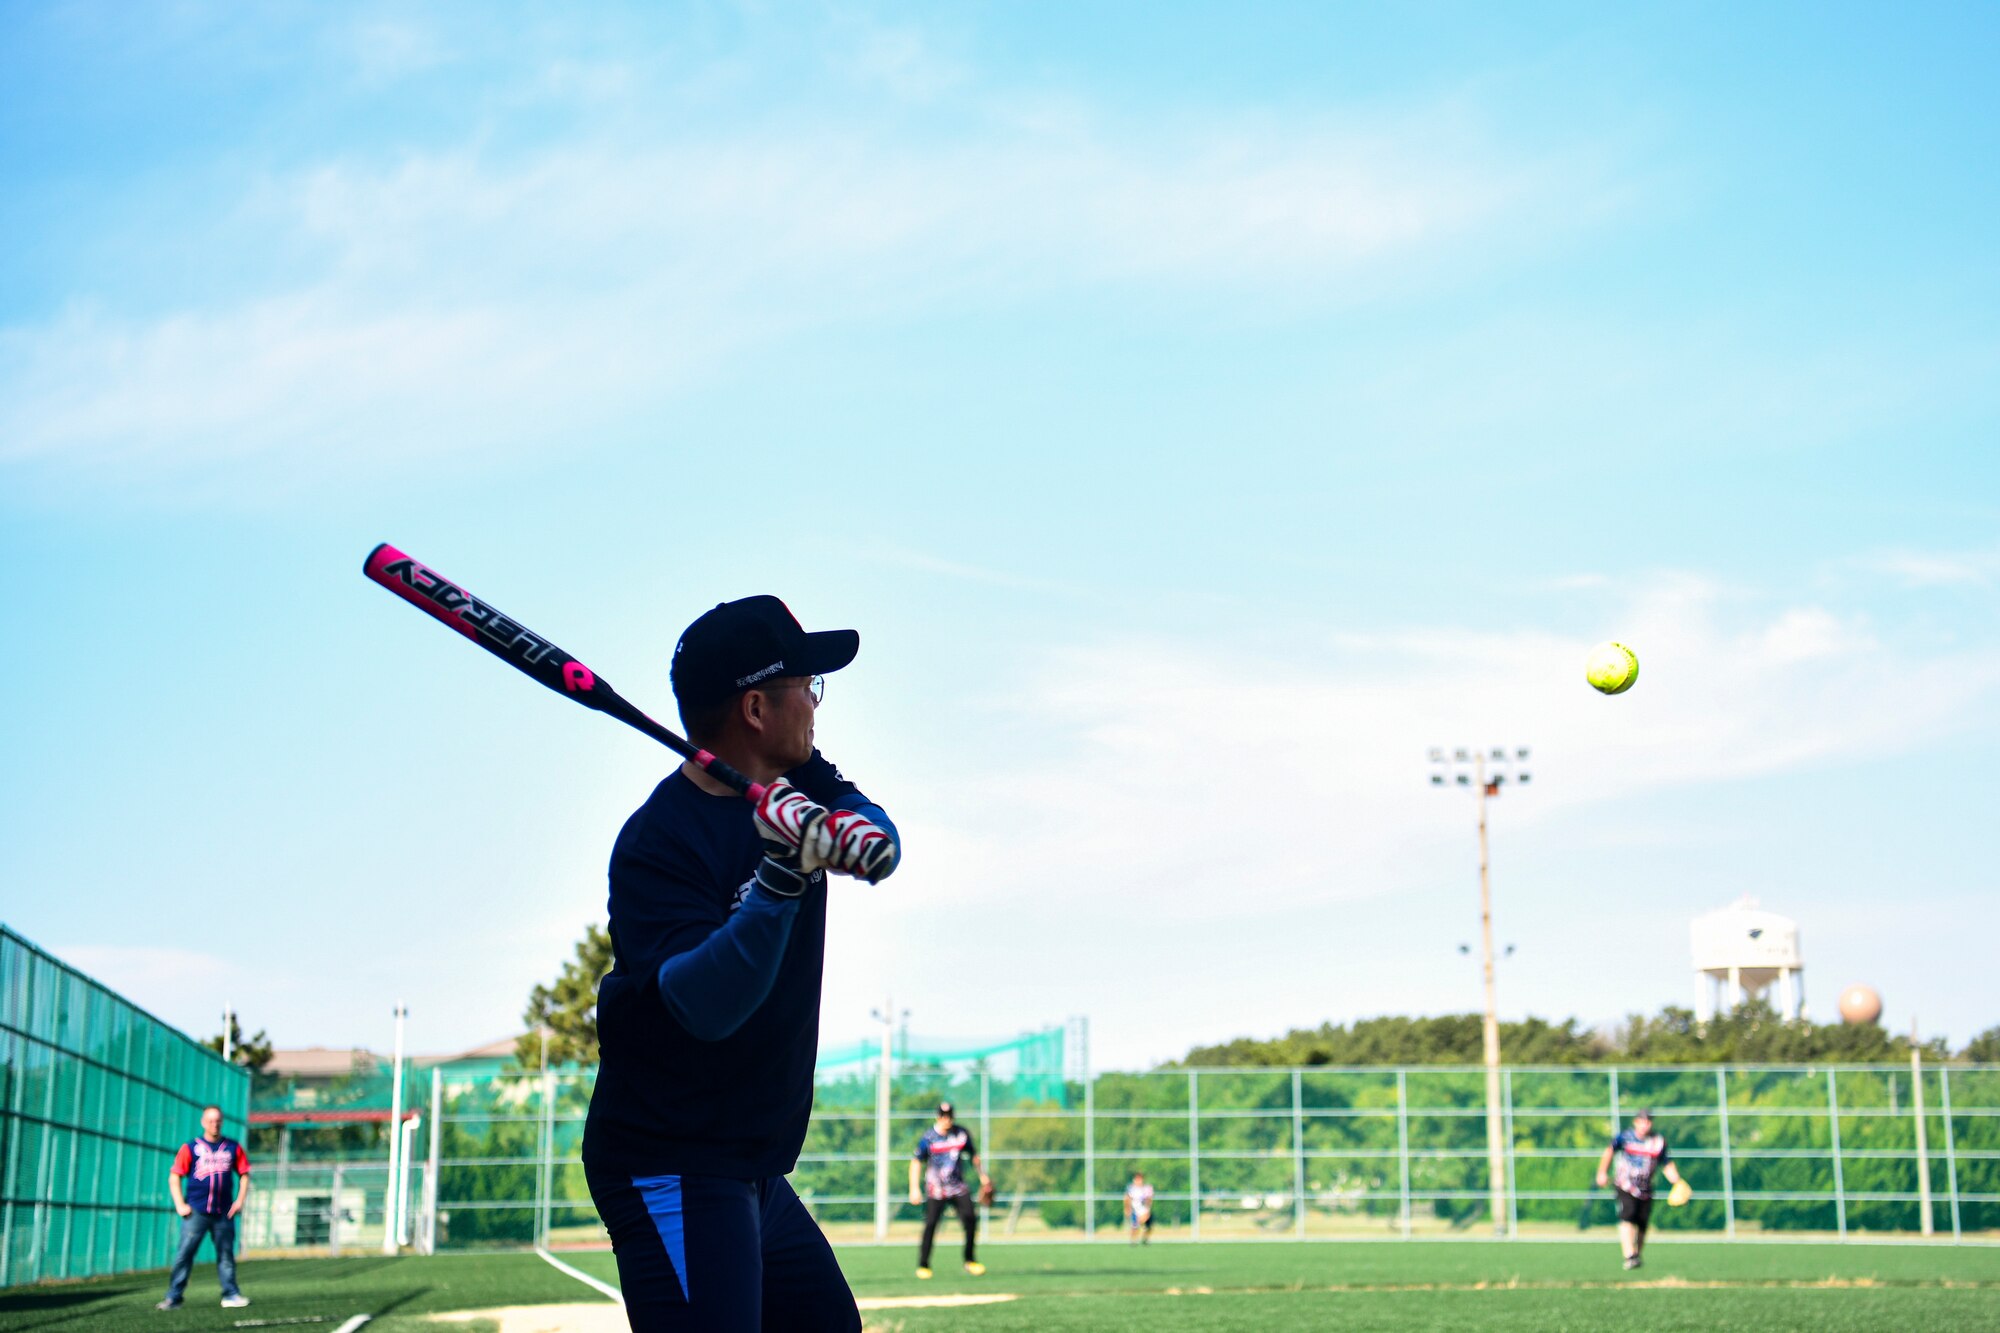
point(1680, 1194)
point(986, 1193)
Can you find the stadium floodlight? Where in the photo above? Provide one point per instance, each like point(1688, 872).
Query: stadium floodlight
point(392, 1201)
point(887, 1017)
point(1491, 768)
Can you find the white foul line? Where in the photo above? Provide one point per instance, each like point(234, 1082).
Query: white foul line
point(353, 1323)
point(576, 1273)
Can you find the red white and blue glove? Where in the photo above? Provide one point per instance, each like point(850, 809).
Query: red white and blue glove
point(792, 824)
point(797, 829)
point(858, 846)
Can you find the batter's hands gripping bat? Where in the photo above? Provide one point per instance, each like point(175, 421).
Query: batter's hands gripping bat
point(531, 654)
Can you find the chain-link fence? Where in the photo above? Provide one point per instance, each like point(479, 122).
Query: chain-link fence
point(1262, 1153)
point(95, 1097)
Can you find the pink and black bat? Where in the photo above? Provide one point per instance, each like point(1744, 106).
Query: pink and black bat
point(531, 654)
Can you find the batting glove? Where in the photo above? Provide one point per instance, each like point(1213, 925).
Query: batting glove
point(781, 877)
point(858, 846)
point(792, 824)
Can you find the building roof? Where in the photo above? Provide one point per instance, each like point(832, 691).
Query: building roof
point(322, 1061)
point(500, 1048)
point(317, 1062)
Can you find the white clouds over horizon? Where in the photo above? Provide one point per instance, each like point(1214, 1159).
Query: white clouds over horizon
point(1200, 422)
point(1167, 789)
point(1725, 694)
point(442, 296)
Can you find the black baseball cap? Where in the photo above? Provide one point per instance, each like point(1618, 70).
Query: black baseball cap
point(743, 643)
point(944, 1108)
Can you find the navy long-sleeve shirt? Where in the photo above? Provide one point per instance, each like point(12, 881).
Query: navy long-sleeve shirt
point(708, 1022)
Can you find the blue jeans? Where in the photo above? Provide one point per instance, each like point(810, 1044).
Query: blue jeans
point(194, 1226)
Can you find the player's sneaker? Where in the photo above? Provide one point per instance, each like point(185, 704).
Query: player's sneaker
point(976, 1269)
point(236, 1302)
point(1632, 1261)
point(923, 1273)
point(168, 1305)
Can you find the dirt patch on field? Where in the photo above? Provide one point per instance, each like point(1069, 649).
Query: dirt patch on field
point(931, 1302)
point(604, 1317)
point(598, 1317)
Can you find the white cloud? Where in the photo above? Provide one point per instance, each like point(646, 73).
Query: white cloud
point(1177, 800)
point(1935, 569)
point(1806, 633)
point(903, 61)
point(451, 298)
point(186, 987)
point(383, 50)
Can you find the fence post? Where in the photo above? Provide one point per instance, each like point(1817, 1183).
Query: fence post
point(38, 1239)
point(1950, 1145)
point(882, 1096)
point(1403, 1141)
point(548, 1151)
point(1298, 1155)
point(1925, 1224)
point(333, 1226)
point(8, 1151)
point(431, 1167)
point(1839, 1180)
point(1617, 1118)
point(1089, 1157)
point(1507, 1118)
point(1728, 1166)
point(986, 1120)
point(1194, 1159)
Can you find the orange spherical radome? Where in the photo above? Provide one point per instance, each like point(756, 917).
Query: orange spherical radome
point(1860, 1004)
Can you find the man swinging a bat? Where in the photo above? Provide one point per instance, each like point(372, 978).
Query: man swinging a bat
point(709, 1019)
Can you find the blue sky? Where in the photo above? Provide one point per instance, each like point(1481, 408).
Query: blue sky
point(1200, 414)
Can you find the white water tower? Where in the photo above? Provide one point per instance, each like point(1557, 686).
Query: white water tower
point(1742, 950)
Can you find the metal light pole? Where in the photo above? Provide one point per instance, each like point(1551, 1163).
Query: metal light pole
point(886, 1016)
point(391, 1210)
point(1484, 786)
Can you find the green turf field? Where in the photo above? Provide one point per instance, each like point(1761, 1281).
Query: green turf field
point(1427, 1285)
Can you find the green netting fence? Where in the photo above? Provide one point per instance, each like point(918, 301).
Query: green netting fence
point(494, 1148)
point(1310, 1153)
point(95, 1097)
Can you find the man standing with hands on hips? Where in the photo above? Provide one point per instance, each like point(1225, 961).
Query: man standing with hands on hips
point(203, 1181)
point(708, 1023)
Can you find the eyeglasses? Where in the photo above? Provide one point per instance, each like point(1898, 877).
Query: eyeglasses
point(816, 687)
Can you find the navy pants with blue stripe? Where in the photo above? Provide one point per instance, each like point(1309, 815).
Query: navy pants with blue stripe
point(721, 1256)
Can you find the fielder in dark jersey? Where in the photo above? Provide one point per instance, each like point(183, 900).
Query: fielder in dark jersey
point(1638, 1153)
point(708, 1022)
point(942, 1152)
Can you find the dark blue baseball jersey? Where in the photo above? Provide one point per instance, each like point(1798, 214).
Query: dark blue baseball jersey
point(1637, 1159)
point(210, 1169)
point(713, 1078)
point(943, 1156)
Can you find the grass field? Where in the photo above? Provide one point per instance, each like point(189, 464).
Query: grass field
point(1702, 1288)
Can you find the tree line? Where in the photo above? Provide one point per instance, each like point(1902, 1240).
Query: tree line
point(1753, 1033)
